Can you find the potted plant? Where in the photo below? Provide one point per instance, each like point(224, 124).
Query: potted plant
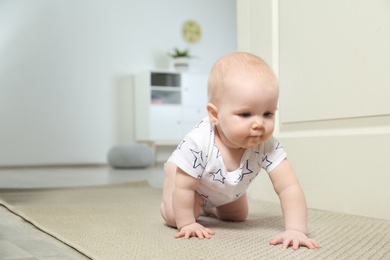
point(180, 59)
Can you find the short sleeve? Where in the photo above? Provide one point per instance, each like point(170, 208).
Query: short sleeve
point(273, 154)
point(192, 153)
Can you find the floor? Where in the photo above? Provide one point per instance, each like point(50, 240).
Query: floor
point(20, 240)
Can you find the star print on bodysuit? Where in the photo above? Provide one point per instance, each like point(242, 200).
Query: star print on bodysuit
point(217, 176)
point(218, 152)
point(181, 143)
point(249, 171)
point(268, 161)
point(197, 126)
point(253, 177)
point(198, 161)
point(279, 146)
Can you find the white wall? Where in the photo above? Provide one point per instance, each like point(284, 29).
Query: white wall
point(64, 65)
point(334, 115)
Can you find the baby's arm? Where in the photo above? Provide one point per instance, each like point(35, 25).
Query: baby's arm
point(184, 207)
point(294, 208)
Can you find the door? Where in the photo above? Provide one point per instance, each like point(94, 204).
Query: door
point(333, 63)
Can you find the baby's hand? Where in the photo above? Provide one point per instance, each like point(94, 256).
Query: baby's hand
point(295, 239)
point(195, 230)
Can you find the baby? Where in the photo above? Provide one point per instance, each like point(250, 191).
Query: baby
point(213, 166)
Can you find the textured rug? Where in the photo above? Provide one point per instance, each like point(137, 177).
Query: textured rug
point(123, 222)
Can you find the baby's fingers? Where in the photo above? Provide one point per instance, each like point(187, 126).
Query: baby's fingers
point(284, 241)
point(204, 233)
point(185, 233)
point(200, 233)
point(293, 242)
point(180, 234)
point(310, 243)
point(190, 234)
point(209, 231)
point(276, 241)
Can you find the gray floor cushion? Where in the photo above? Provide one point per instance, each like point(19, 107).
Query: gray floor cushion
point(130, 156)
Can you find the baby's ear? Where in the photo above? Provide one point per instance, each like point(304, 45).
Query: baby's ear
point(213, 113)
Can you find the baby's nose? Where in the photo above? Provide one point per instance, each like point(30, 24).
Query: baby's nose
point(258, 123)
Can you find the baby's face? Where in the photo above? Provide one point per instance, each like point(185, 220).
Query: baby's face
point(246, 113)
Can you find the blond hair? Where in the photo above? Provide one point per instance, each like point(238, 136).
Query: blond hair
point(236, 62)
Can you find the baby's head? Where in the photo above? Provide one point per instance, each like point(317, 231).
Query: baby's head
point(243, 98)
point(237, 64)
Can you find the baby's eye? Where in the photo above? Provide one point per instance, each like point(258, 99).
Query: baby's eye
point(268, 114)
point(245, 114)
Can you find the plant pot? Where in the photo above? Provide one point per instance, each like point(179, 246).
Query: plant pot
point(181, 63)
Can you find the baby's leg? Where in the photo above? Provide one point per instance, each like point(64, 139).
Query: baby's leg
point(166, 208)
point(233, 211)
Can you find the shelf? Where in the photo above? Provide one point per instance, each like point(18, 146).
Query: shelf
point(163, 96)
point(165, 79)
point(165, 88)
point(167, 105)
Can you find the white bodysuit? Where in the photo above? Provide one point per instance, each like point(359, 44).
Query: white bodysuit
point(198, 156)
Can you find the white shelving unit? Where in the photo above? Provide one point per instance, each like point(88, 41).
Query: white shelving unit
point(167, 105)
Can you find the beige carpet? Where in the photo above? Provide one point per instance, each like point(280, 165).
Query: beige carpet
point(123, 222)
